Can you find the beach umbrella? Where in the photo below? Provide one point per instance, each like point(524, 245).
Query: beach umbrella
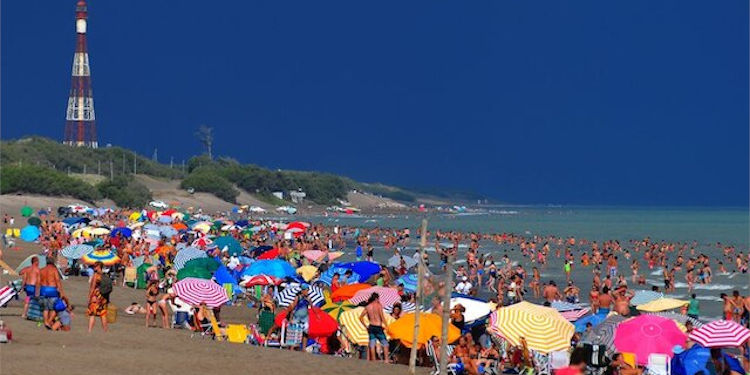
point(231, 245)
point(565, 306)
point(307, 272)
point(642, 297)
point(99, 231)
point(388, 296)
point(395, 261)
point(604, 333)
point(594, 319)
point(269, 255)
point(164, 219)
point(26, 211)
point(720, 333)
point(409, 281)
point(194, 272)
point(75, 220)
point(327, 276)
point(27, 262)
point(405, 307)
point(335, 309)
point(76, 251)
point(348, 291)
point(662, 304)
point(208, 263)
point(260, 280)
point(332, 255)
point(544, 329)
point(648, 334)
point(124, 231)
point(96, 242)
point(475, 308)
point(276, 268)
point(319, 323)
point(35, 221)
point(298, 224)
point(313, 255)
point(573, 315)
point(135, 216)
point(30, 233)
point(691, 361)
point(42, 212)
point(364, 269)
point(179, 226)
point(286, 296)
point(196, 291)
point(107, 257)
point(429, 325)
point(355, 331)
point(202, 227)
point(679, 318)
point(255, 252)
point(167, 230)
point(202, 242)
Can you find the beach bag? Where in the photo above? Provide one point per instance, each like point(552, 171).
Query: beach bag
point(105, 285)
point(111, 313)
point(35, 310)
point(59, 305)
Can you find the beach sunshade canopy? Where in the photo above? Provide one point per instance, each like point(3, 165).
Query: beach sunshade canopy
point(287, 296)
point(76, 251)
point(348, 291)
point(196, 291)
point(409, 281)
point(335, 309)
point(395, 261)
point(662, 304)
point(229, 244)
point(307, 272)
point(642, 297)
point(26, 211)
point(327, 276)
point(364, 269)
point(544, 329)
point(35, 221)
point(260, 280)
point(107, 257)
point(313, 255)
point(355, 331)
point(720, 333)
point(275, 268)
point(475, 308)
point(30, 233)
point(648, 334)
point(185, 255)
point(387, 296)
point(194, 272)
point(429, 325)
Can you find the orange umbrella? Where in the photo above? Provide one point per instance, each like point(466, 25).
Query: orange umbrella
point(179, 226)
point(429, 325)
point(347, 291)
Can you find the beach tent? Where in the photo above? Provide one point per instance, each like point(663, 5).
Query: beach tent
point(141, 277)
point(594, 319)
point(692, 361)
point(327, 276)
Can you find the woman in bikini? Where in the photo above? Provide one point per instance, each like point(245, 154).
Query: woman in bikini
point(152, 294)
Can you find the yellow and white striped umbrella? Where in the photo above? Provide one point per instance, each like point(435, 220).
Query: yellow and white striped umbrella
point(82, 232)
point(662, 304)
point(353, 328)
point(100, 231)
point(544, 329)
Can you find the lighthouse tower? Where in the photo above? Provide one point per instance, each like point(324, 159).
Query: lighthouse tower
point(80, 125)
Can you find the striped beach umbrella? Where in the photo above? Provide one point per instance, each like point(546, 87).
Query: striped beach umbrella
point(565, 306)
point(544, 329)
point(406, 307)
point(388, 296)
point(196, 291)
point(662, 304)
point(76, 251)
point(185, 255)
point(260, 280)
point(348, 291)
point(286, 296)
point(648, 334)
point(409, 281)
point(720, 333)
point(353, 328)
point(645, 296)
point(313, 255)
point(335, 309)
point(107, 257)
point(604, 333)
point(573, 315)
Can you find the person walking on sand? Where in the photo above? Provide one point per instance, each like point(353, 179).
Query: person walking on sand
point(376, 329)
point(97, 306)
point(30, 277)
point(50, 289)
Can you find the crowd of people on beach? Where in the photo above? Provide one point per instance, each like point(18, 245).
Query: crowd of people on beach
point(135, 242)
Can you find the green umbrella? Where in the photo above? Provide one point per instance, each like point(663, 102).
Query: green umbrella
point(26, 211)
point(233, 246)
point(34, 221)
point(199, 272)
point(209, 264)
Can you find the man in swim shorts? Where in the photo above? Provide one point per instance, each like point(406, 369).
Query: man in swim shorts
point(50, 289)
point(375, 328)
point(30, 276)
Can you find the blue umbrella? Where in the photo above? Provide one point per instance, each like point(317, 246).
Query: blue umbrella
point(241, 223)
point(126, 232)
point(167, 230)
point(409, 281)
point(691, 361)
point(223, 276)
point(276, 267)
point(30, 233)
point(594, 319)
point(42, 212)
point(327, 276)
point(364, 269)
point(185, 255)
point(75, 220)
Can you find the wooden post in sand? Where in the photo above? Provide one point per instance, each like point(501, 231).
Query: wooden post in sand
point(418, 299)
point(448, 281)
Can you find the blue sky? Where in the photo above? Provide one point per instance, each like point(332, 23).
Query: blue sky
point(586, 102)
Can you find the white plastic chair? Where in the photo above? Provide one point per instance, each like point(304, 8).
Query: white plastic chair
point(659, 364)
point(558, 360)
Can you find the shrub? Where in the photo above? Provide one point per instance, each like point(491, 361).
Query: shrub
point(206, 180)
point(125, 192)
point(41, 180)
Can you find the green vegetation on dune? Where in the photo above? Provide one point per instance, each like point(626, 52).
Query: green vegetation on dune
point(206, 179)
point(125, 192)
point(41, 180)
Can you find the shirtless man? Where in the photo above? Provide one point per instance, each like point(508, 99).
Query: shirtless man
point(605, 301)
point(376, 329)
point(622, 301)
point(50, 290)
point(551, 293)
point(30, 276)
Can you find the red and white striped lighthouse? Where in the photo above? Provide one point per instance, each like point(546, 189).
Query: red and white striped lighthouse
point(80, 124)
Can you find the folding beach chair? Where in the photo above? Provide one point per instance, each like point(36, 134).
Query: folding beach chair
point(658, 364)
point(215, 325)
point(430, 350)
point(558, 360)
point(7, 293)
point(237, 333)
point(130, 276)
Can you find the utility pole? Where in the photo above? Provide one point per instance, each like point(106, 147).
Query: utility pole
point(123, 163)
point(111, 171)
point(448, 281)
point(171, 162)
point(99, 168)
point(183, 166)
point(135, 164)
point(84, 169)
point(417, 312)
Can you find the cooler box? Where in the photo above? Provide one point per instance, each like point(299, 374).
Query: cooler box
point(35, 311)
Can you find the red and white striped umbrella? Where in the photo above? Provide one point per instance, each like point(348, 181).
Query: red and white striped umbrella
point(720, 333)
point(202, 242)
point(388, 296)
point(260, 280)
point(196, 291)
point(313, 255)
point(574, 315)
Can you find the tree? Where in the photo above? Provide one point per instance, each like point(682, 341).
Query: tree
point(205, 135)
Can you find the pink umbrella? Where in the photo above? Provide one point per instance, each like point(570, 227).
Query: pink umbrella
point(334, 254)
point(261, 280)
point(195, 291)
point(648, 334)
point(313, 255)
point(573, 315)
point(388, 296)
point(720, 333)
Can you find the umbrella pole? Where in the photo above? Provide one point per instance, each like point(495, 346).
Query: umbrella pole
point(446, 309)
point(420, 275)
